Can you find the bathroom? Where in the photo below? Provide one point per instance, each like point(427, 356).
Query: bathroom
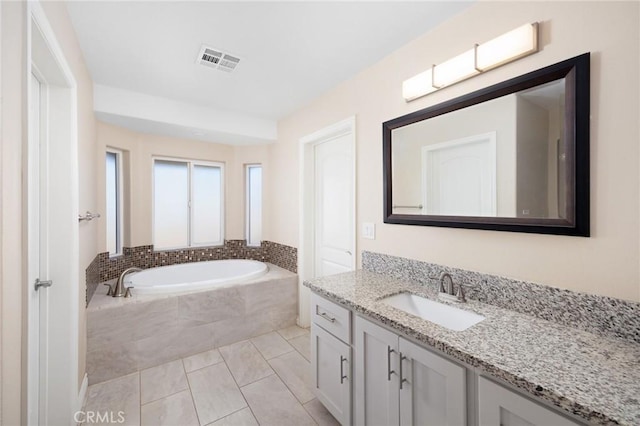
point(144, 128)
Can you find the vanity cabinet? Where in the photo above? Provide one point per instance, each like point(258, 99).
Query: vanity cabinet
point(401, 383)
point(398, 382)
point(499, 406)
point(331, 357)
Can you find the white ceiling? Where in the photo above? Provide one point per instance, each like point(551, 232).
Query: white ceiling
point(291, 52)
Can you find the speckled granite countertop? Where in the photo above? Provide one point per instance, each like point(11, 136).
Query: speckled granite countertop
point(596, 378)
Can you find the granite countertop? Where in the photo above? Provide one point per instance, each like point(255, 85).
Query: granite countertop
point(594, 377)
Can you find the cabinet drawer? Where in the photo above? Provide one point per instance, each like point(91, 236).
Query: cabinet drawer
point(332, 317)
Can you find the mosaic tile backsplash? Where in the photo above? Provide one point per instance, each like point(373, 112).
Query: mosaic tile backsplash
point(596, 314)
point(104, 268)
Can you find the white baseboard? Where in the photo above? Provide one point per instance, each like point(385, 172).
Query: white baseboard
point(82, 395)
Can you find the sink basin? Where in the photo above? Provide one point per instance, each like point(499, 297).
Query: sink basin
point(447, 316)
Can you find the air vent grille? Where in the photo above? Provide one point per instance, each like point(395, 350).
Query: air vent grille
point(217, 59)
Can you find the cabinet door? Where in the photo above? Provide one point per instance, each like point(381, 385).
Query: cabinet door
point(433, 389)
point(499, 406)
point(376, 375)
point(331, 371)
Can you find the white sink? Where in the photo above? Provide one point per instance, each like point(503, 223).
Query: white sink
point(439, 313)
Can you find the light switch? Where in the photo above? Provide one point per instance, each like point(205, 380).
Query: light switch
point(369, 230)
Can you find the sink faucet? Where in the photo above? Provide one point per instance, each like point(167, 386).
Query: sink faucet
point(446, 277)
point(447, 291)
point(120, 290)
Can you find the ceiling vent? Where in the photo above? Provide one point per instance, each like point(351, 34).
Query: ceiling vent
point(217, 59)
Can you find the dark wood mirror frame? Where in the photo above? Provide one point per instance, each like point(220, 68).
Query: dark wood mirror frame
point(576, 72)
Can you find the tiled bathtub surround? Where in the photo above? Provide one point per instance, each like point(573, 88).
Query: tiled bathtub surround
point(126, 335)
point(595, 314)
point(103, 268)
point(284, 256)
point(594, 377)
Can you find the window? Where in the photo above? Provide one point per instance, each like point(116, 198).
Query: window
point(188, 203)
point(254, 204)
point(114, 202)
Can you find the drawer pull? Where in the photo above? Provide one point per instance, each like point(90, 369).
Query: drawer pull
point(325, 316)
point(389, 370)
point(342, 375)
point(402, 380)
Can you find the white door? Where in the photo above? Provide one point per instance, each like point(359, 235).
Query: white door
point(331, 370)
point(327, 207)
point(334, 196)
point(51, 193)
point(459, 177)
point(376, 375)
point(38, 268)
point(433, 389)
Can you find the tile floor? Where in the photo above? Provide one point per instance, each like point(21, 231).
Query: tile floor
point(265, 380)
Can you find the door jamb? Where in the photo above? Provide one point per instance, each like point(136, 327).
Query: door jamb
point(306, 249)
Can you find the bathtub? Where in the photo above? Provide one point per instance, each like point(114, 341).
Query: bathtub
point(194, 276)
point(125, 335)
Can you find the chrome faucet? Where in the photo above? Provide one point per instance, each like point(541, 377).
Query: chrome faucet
point(447, 292)
point(120, 290)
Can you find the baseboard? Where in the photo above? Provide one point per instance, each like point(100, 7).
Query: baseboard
point(82, 395)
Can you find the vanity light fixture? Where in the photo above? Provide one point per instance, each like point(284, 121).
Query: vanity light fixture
point(503, 49)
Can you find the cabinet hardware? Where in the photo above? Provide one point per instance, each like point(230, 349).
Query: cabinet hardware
point(325, 316)
point(389, 370)
point(342, 375)
point(402, 380)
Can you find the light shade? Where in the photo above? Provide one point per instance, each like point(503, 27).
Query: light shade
point(508, 47)
point(418, 85)
point(455, 69)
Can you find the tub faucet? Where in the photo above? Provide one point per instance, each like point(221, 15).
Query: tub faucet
point(120, 290)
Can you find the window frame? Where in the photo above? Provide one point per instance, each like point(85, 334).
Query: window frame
point(119, 202)
point(247, 190)
point(190, 165)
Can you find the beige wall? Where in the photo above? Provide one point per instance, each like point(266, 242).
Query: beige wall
point(140, 148)
point(607, 263)
point(532, 133)
point(13, 230)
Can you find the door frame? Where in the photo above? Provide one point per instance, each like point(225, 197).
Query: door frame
point(306, 245)
point(64, 394)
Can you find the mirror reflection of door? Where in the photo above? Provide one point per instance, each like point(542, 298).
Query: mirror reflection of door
point(459, 177)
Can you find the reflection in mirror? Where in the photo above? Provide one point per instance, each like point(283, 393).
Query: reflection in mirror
point(510, 157)
point(500, 158)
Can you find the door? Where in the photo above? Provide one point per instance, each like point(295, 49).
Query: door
point(334, 201)
point(38, 256)
point(377, 383)
point(499, 406)
point(327, 207)
point(433, 389)
point(331, 370)
point(459, 177)
point(51, 217)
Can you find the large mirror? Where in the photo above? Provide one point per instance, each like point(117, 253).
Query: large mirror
point(511, 157)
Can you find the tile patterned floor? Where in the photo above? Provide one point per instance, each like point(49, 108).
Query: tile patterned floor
point(262, 381)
